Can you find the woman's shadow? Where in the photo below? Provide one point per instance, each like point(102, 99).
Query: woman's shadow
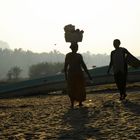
point(77, 122)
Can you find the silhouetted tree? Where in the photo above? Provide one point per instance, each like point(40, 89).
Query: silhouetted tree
point(14, 72)
point(9, 75)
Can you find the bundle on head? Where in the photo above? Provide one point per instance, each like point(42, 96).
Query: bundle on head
point(72, 34)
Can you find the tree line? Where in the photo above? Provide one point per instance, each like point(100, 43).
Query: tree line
point(27, 64)
point(19, 63)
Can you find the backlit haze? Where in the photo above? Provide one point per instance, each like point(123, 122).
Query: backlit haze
point(37, 25)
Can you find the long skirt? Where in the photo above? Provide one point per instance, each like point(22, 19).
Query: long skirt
point(76, 86)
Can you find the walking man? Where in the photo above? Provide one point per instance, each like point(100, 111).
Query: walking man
point(118, 61)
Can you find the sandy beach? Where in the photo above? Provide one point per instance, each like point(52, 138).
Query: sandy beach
point(103, 117)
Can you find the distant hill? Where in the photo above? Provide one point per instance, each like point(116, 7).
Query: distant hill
point(4, 45)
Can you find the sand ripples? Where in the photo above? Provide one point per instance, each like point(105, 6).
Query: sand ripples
point(103, 117)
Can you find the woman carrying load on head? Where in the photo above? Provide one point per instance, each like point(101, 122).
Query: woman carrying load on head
point(74, 75)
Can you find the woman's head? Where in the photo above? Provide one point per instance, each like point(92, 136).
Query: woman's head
point(74, 47)
point(116, 43)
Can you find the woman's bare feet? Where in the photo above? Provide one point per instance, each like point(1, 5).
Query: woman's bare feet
point(122, 97)
point(80, 104)
point(72, 103)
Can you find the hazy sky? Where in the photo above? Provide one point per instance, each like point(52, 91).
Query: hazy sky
point(37, 25)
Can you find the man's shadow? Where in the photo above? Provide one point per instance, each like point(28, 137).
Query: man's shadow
point(78, 125)
point(132, 106)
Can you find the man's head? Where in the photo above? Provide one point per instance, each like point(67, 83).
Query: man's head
point(74, 47)
point(116, 43)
